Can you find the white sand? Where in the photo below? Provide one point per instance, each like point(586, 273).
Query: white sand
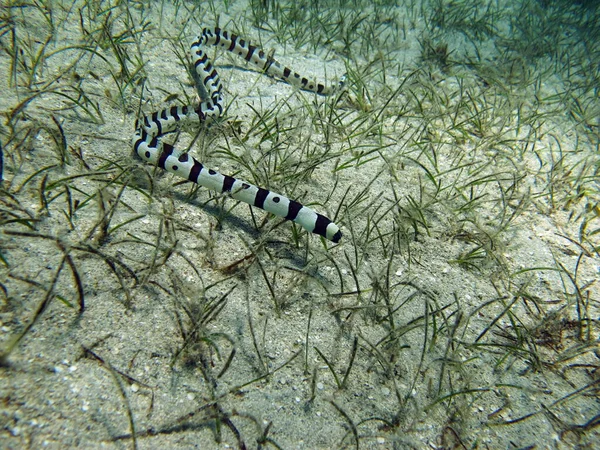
point(462, 333)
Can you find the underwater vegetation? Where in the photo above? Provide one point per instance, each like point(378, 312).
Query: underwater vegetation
point(459, 310)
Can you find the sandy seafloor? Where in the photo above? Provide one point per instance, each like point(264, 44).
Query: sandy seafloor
point(461, 164)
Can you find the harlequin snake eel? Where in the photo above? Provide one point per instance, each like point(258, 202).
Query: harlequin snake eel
point(149, 147)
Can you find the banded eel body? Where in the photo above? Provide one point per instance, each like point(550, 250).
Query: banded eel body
point(148, 145)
